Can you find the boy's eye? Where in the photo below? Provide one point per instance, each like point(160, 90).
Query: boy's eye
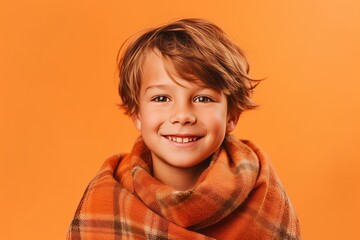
point(161, 99)
point(203, 99)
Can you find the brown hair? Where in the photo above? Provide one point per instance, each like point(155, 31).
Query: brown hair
point(198, 49)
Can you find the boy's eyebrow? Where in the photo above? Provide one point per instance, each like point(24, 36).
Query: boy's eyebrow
point(161, 86)
point(164, 86)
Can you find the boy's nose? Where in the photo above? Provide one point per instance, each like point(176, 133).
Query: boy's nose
point(182, 115)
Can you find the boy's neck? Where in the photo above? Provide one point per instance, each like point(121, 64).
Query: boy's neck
point(181, 179)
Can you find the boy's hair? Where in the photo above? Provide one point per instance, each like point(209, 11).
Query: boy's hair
point(199, 50)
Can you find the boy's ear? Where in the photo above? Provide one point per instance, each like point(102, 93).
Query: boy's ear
point(136, 120)
point(231, 122)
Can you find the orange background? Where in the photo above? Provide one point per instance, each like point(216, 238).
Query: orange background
point(59, 120)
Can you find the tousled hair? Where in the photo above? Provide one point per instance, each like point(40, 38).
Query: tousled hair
point(199, 50)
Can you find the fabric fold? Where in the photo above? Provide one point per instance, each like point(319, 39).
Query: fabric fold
point(238, 197)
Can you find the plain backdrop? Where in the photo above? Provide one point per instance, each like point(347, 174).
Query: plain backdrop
point(59, 118)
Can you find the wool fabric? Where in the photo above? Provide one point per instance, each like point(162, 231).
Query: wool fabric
point(239, 196)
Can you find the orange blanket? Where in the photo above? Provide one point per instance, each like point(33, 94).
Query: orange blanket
point(238, 197)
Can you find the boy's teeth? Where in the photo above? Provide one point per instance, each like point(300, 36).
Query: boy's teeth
point(182, 140)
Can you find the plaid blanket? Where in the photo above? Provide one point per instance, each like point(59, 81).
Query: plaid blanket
point(237, 197)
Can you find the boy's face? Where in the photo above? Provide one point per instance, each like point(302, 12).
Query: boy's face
point(181, 125)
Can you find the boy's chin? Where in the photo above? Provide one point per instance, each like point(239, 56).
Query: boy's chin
point(182, 161)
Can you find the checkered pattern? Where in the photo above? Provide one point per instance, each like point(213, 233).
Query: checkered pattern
point(237, 197)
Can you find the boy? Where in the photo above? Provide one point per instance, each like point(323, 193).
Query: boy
point(185, 85)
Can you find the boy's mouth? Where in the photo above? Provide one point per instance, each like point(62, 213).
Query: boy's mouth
point(179, 139)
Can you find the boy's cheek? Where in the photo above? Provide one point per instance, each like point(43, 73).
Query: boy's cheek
point(149, 119)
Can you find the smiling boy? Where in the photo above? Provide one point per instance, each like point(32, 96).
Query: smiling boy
point(185, 85)
point(182, 123)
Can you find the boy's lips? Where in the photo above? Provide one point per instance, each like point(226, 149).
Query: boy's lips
point(182, 138)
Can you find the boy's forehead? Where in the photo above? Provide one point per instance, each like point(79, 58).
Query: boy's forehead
point(155, 63)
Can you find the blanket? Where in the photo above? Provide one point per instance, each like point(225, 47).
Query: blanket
point(239, 196)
